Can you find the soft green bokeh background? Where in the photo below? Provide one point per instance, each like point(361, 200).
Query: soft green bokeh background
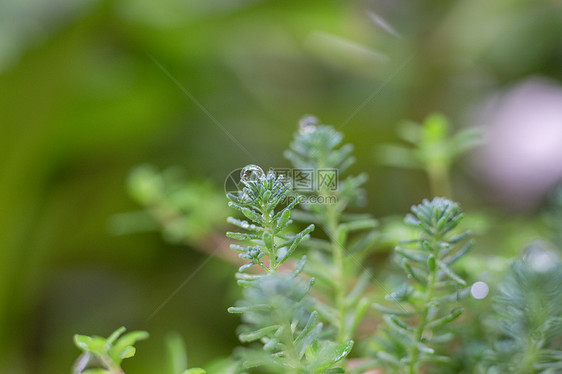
point(83, 100)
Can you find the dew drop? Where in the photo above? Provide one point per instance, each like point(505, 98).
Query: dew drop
point(540, 258)
point(251, 173)
point(307, 125)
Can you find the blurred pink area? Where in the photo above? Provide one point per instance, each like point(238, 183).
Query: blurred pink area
point(521, 159)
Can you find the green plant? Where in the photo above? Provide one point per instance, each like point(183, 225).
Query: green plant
point(431, 150)
point(348, 237)
point(106, 354)
point(276, 309)
point(422, 306)
point(307, 286)
point(527, 324)
point(185, 210)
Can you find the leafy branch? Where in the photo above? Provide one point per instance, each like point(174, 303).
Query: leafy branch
point(422, 308)
point(527, 324)
point(432, 149)
point(319, 147)
point(276, 309)
point(106, 354)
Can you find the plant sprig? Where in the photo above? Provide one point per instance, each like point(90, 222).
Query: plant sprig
point(319, 147)
point(276, 308)
point(106, 354)
point(414, 325)
point(526, 327)
point(432, 149)
point(261, 195)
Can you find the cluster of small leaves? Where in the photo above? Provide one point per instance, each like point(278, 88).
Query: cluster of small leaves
point(104, 355)
point(432, 149)
point(277, 311)
point(414, 331)
point(276, 308)
point(257, 201)
point(319, 147)
point(349, 236)
point(527, 326)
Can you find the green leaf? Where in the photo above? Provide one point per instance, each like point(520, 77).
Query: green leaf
point(362, 224)
point(435, 128)
point(362, 282)
point(123, 348)
point(117, 333)
point(244, 224)
point(341, 351)
point(334, 371)
point(250, 214)
point(310, 324)
point(242, 236)
point(176, 354)
point(454, 314)
point(283, 220)
point(299, 266)
point(399, 323)
point(95, 344)
point(450, 273)
point(268, 240)
point(388, 357)
point(431, 262)
point(194, 371)
point(397, 312)
point(297, 239)
point(412, 255)
point(249, 308)
point(251, 336)
point(132, 337)
point(245, 267)
point(365, 242)
point(413, 273)
point(464, 250)
point(341, 235)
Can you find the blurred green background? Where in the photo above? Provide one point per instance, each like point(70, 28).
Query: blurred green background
point(89, 90)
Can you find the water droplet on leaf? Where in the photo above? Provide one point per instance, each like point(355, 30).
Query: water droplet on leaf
point(307, 125)
point(251, 173)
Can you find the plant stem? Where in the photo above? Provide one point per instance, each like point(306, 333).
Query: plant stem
point(338, 260)
point(338, 254)
point(268, 225)
point(112, 367)
point(438, 174)
point(290, 349)
point(422, 317)
point(529, 358)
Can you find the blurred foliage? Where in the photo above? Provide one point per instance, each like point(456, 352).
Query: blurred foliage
point(106, 353)
point(336, 259)
point(415, 332)
point(276, 309)
point(526, 329)
point(82, 103)
point(185, 211)
point(434, 150)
